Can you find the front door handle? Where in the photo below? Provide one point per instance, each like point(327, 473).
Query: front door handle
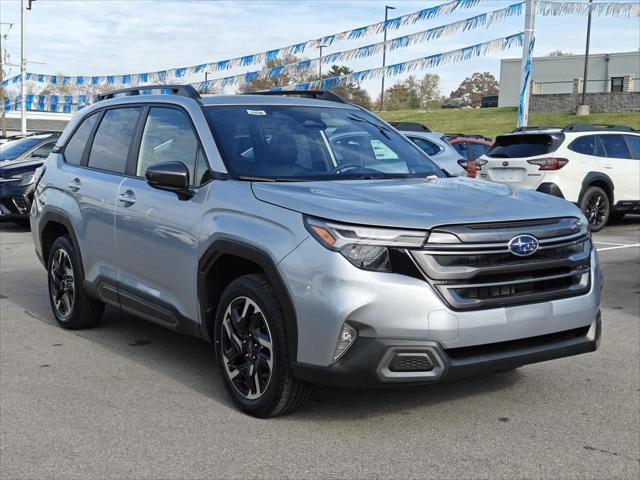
point(127, 197)
point(74, 185)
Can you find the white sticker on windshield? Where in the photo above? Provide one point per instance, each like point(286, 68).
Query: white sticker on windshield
point(256, 112)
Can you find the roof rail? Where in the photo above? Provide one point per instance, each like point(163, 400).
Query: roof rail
point(182, 90)
point(590, 127)
point(410, 126)
point(317, 94)
point(465, 135)
point(534, 128)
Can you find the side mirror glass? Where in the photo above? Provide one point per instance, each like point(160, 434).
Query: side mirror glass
point(171, 176)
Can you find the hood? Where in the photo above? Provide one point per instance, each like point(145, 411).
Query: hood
point(414, 203)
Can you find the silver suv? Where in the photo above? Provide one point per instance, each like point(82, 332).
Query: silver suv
point(309, 241)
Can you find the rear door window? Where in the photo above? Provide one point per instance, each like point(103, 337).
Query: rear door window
point(75, 147)
point(587, 145)
point(113, 139)
point(634, 145)
point(522, 146)
point(615, 146)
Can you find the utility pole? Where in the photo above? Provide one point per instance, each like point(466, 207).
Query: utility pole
point(320, 47)
point(384, 53)
point(526, 69)
point(23, 66)
point(583, 108)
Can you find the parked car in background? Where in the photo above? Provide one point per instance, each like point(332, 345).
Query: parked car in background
point(19, 160)
point(597, 167)
point(435, 145)
point(489, 101)
point(471, 147)
point(303, 260)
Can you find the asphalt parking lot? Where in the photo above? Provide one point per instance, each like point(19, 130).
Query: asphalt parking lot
point(132, 400)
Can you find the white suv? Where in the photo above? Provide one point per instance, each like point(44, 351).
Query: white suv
point(595, 167)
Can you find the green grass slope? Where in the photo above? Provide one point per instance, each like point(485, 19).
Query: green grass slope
point(494, 121)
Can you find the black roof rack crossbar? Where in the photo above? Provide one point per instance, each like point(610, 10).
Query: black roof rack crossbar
point(410, 126)
point(182, 90)
point(590, 127)
point(317, 94)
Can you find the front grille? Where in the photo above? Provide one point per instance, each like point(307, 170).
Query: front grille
point(481, 272)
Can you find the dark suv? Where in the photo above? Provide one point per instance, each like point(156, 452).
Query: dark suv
point(19, 160)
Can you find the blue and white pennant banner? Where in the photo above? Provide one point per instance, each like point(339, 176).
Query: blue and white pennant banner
point(483, 20)
point(164, 76)
point(603, 9)
point(424, 63)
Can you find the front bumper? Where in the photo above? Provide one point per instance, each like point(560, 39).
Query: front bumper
point(327, 290)
point(15, 202)
point(370, 362)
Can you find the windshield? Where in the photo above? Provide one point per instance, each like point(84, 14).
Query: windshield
point(289, 143)
point(14, 148)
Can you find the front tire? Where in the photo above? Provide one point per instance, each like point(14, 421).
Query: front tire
point(596, 207)
point(251, 347)
point(71, 307)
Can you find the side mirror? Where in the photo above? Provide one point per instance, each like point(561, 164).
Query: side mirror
point(171, 176)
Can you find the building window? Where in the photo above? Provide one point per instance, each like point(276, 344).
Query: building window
point(617, 84)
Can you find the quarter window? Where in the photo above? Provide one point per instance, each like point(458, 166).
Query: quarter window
point(634, 144)
point(75, 147)
point(587, 145)
point(428, 147)
point(615, 146)
point(113, 139)
point(169, 137)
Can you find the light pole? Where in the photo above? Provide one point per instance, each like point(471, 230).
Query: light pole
point(583, 108)
point(320, 47)
point(526, 69)
point(23, 66)
point(384, 53)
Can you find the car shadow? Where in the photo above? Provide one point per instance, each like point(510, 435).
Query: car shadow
point(191, 361)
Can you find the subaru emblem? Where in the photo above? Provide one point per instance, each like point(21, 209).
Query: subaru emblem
point(524, 245)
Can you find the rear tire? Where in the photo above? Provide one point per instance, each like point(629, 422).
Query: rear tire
point(71, 307)
point(596, 206)
point(251, 348)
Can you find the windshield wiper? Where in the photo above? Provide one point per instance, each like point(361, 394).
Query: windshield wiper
point(269, 179)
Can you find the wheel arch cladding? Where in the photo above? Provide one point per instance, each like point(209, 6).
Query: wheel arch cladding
point(53, 225)
point(224, 261)
point(597, 179)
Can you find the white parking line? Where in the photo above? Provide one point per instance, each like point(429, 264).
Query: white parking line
point(609, 243)
point(617, 247)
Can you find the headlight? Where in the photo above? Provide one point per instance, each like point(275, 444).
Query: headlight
point(365, 247)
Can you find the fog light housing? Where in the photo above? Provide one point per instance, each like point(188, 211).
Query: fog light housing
point(348, 336)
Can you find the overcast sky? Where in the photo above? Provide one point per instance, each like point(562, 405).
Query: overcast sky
point(100, 37)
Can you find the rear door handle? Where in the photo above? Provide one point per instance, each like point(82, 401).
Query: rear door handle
point(74, 185)
point(127, 197)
